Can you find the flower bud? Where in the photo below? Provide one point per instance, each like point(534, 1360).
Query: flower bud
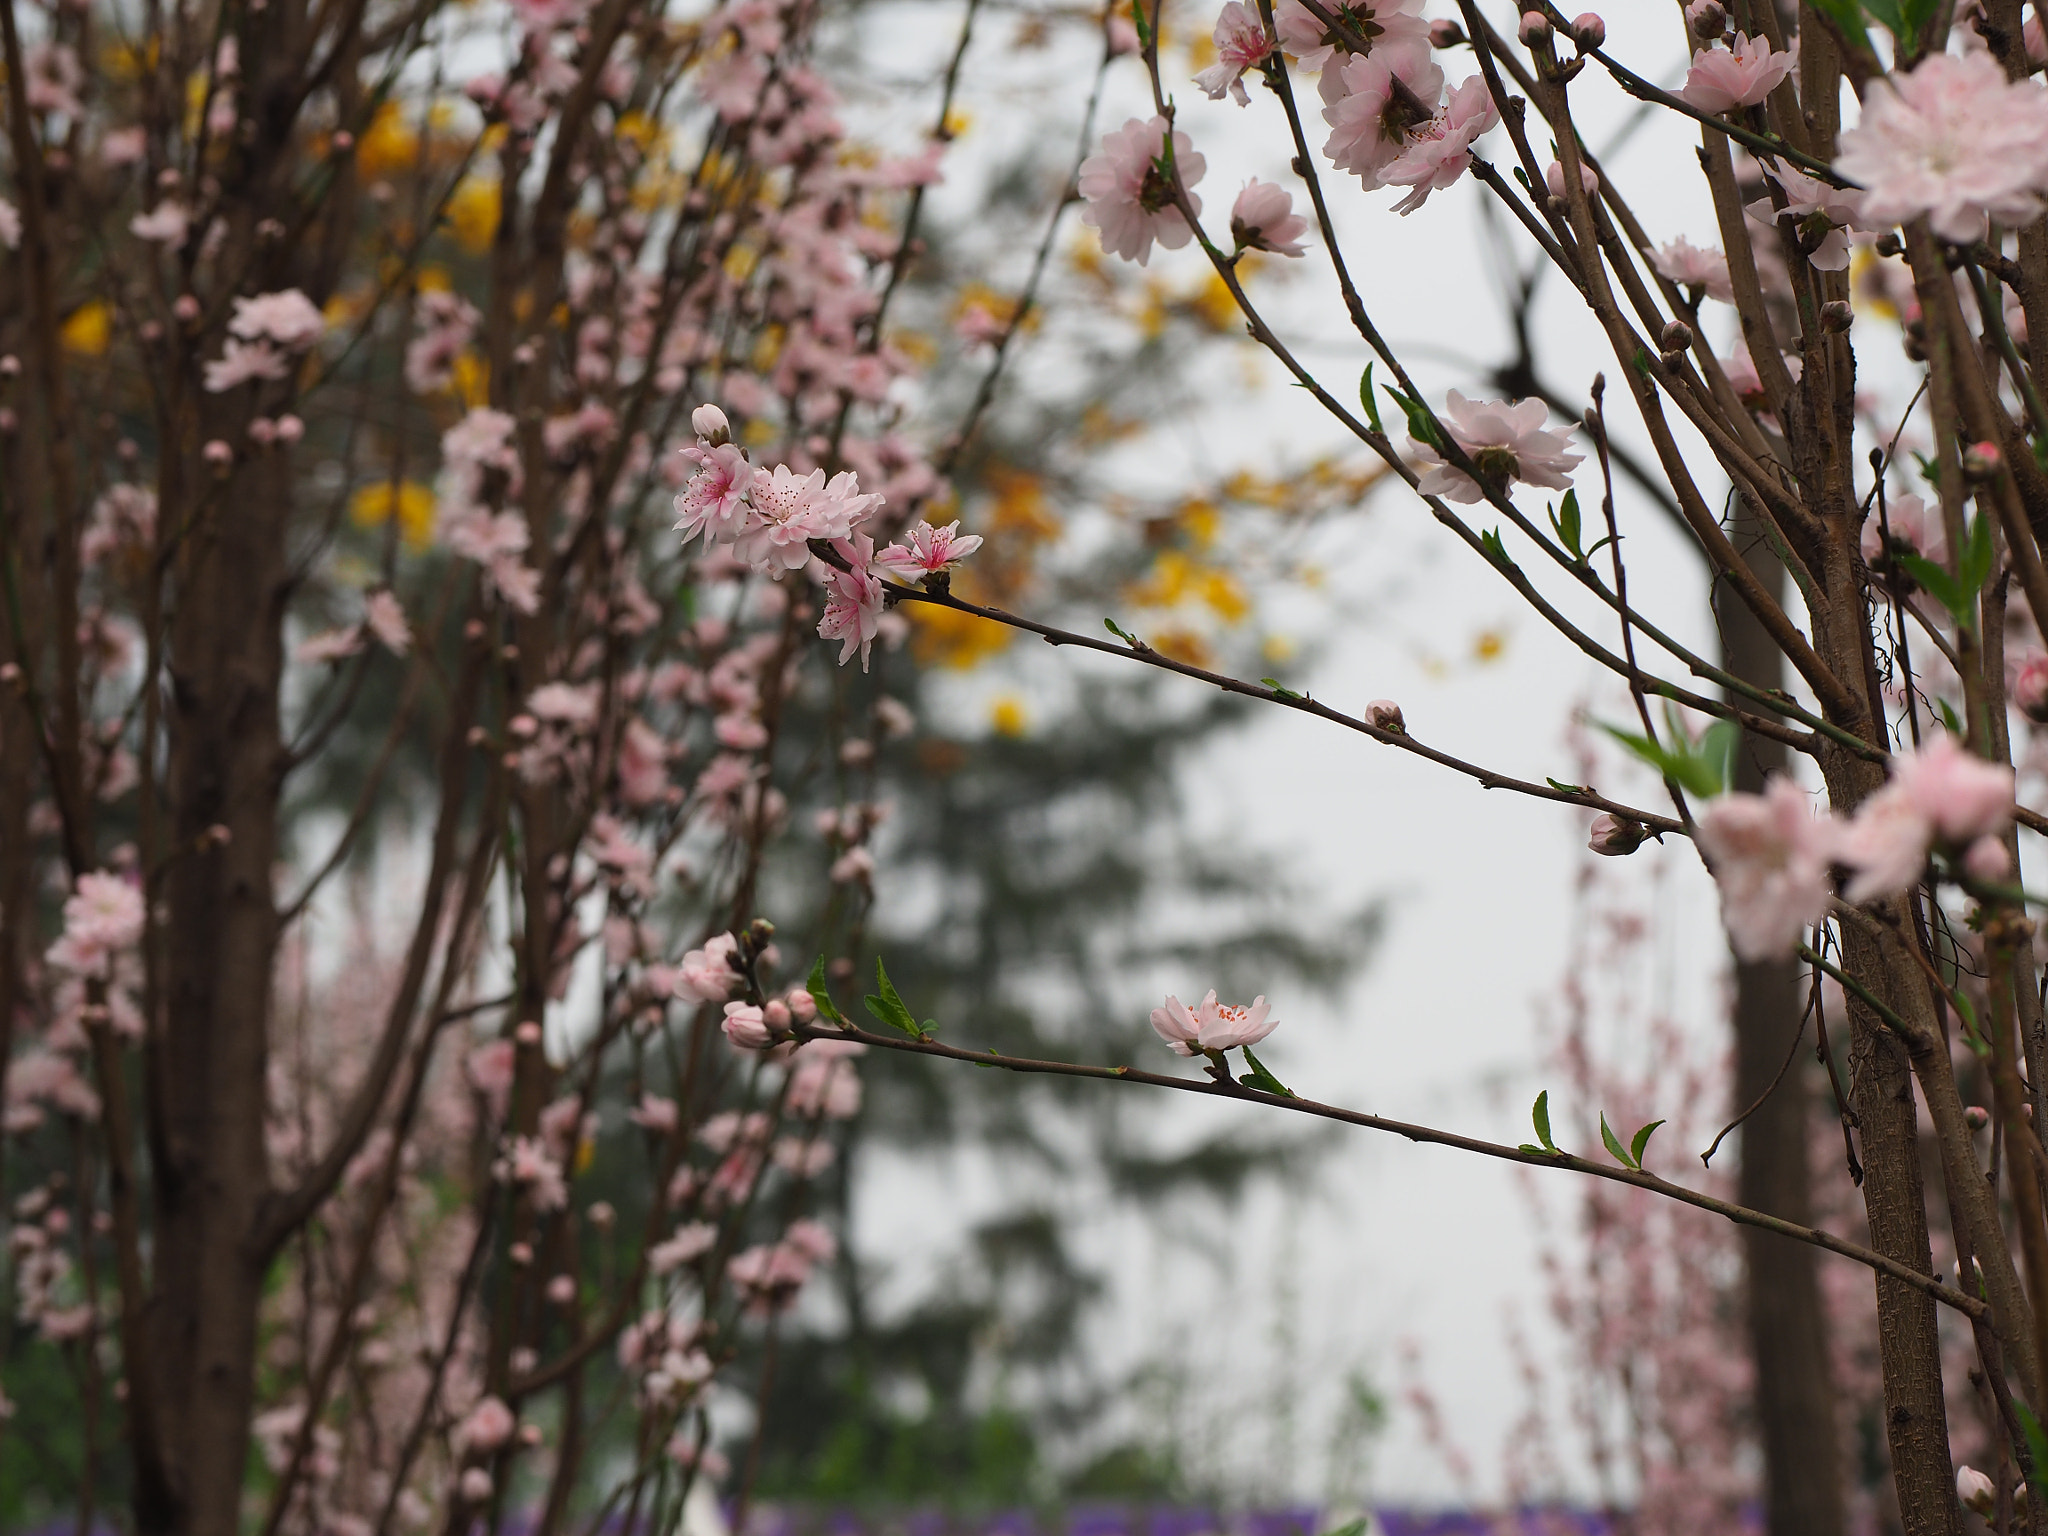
point(1445, 33)
point(1615, 836)
point(1588, 31)
point(218, 454)
point(475, 1485)
point(185, 307)
point(1535, 28)
point(2030, 689)
point(1889, 243)
point(1981, 461)
point(802, 1006)
point(1675, 337)
point(711, 425)
point(1386, 714)
point(1553, 178)
point(561, 1290)
point(521, 1254)
point(1977, 1116)
point(528, 1033)
point(775, 1014)
point(1986, 859)
point(1976, 1491)
point(602, 1215)
point(746, 1027)
point(1836, 316)
point(1707, 19)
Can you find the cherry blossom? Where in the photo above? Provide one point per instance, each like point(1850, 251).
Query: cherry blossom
point(1373, 119)
point(1615, 836)
point(1681, 262)
point(1241, 44)
point(1263, 219)
point(1770, 856)
point(288, 318)
point(745, 1026)
point(1952, 139)
point(1913, 523)
point(166, 224)
point(854, 603)
point(1821, 212)
point(1506, 443)
point(1941, 794)
point(1210, 1025)
point(528, 1163)
point(1975, 1491)
point(385, 618)
point(925, 551)
point(1742, 75)
point(714, 503)
point(242, 362)
point(1129, 191)
point(102, 918)
point(1314, 43)
point(489, 1426)
point(1439, 151)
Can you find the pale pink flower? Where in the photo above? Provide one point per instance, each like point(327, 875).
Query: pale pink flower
point(925, 551)
point(385, 616)
point(288, 318)
point(1912, 522)
point(1815, 207)
point(1976, 1491)
point(241, 362)
point(1886, 844)
point(527, 1162)
point(1130, 195)
point(1371, 123)
point(490, 1070)
point(745, 1027)
point(1722, 79)
point(124, 146)
point(1263, 219)
point(2029, 689)
point(1240, 45)
point(474, 1486)
point(1954, 140)
point(1962, 795)
point(1770, 855)
point(166, 224)
point(1987, 859)
point(1506, 443)
point(1439, 151)
point(330, 645)
point(1553, 178)
point(654, 1113)
point(102, 917)
point(714, 503)
point(490, 1426)
point(1691, 266)
point(1385, 22)
point(854, 606)
point(1210, 1025)
point(1615, 836)
point(708, 421)
point(785, 518)
point(692, 1240)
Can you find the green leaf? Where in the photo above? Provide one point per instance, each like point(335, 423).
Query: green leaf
point(1886, 14)
point(1641, 361)
point(1123, 634)
point(2037, 1448)
point(1144, 26)
point(1565, 522)
point(1496, 551)
point(1613, 1144)
point(1916, 14)
point(1566, 789)
point(1701, 770)
point(1846, 15)
point(1540, 1115)
point(1949, 719)
point(827, 1009)
point(1372, 406)
point(1280, 692)
point(1642, 1140)
point(1941, 586)
point(1974, 565)
point(1421, 425)
point(888, 1007)
point(1261, 1079)
point(1717, 750)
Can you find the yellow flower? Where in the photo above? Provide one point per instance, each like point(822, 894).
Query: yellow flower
point(473, 210)
point(1490, 645)
point(1006, 714)
point(472, 378)
point(372, 505)
point(946, 637)
point(88, 329)
point(388, 144)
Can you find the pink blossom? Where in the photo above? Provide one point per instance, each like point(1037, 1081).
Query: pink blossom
point(1976, 1491)
point(329, 645)
point(1615, 836)
point(925, 551)
point(166, 224)
point(1885, 844)
point(745, 1027)
point(1722, 79)
point(490, 1426)
point(853, 610)
point(102, 917)
point(654, 1113)
point(1954, 140)
point(707, 975)
point(1240, 45)
point(1690, 266)
point(1911, 522)
point(1371, 122)
point(1130, 195)
point(528, 1163)
point(1210, 1025)
point(241, 362)
point(1506, 443)
point(709, 422)
point(1961, 795)
point(2029, 688)
point(490, 1070)
point(1263, 219)
point(288, 318)
point(1439, 150)
point(714, 503)
point(690, 1241)
point(1770, 856)
point(385, 617)
point(1380, 24)
point(1817, 209)
point(1987, 859)
point(785, 518)
point(1553, 178)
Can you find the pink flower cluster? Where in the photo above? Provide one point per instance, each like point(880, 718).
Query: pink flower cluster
point(1506, 443)
point(1772, 856)
point(1128, 186)
point(1391, 125)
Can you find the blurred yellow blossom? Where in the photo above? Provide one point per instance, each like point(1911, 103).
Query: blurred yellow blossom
point(372, 505)
point(88, 329)
point(1006, 714)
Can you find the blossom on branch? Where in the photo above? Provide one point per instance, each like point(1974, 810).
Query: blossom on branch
point(1241, 44)
point(1129, 189)
point(288, 318)
point(1953, 140)
point(1688, 265)
point(103, 916)
point(1722, 79)
point(1943, 793)
point(1505, 442)
point(1315, 43)
point(1210, 1025)
point(1439, 150)
point(1385, 99)
point(925, 551)
point(1263, 219)
point(1770, 856)
point(853, 608)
